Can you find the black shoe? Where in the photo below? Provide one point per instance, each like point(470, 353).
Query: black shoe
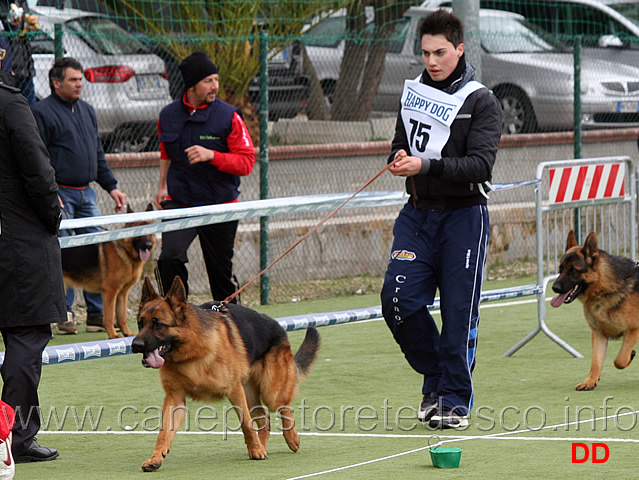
point(447, 418)
point(95, 323)
point(428, 407)
point(36, 453)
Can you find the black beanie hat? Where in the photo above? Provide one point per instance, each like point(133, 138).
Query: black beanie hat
point(195, 67)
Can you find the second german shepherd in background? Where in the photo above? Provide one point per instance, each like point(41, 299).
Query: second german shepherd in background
point(608, 286)
point(110, 268)
point(206, 354)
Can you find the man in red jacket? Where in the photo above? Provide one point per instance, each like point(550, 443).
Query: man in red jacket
point(205, 149)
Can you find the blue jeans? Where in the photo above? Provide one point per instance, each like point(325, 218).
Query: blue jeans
point(81, 204)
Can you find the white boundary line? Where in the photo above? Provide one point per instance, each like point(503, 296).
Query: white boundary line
point(449, 438)
point(480, 437)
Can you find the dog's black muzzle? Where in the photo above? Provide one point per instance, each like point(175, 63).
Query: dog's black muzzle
point(138, 345)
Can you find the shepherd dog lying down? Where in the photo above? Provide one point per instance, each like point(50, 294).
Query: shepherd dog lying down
point(608, 287)
point(207, 355)
point(112, 269)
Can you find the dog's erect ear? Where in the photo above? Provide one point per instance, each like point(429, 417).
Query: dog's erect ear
point(148, 292)
point(177, 292)
point(571, 241)
point(591, 245)
point(149, 207)
point(129, 209)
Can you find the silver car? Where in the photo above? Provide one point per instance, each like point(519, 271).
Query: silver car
point(529, 72)
point(125, 83)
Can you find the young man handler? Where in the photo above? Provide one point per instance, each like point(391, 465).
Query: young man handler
point(445, 143)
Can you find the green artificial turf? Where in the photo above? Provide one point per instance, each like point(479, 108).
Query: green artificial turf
point(355, 412)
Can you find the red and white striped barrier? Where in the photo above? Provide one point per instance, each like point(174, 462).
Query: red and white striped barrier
point(587, 182)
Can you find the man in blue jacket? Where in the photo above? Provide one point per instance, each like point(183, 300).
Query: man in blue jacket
point(69, 129)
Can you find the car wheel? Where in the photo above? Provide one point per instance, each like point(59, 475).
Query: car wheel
point(517, 112)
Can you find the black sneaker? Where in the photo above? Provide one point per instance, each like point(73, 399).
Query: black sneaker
point(447, 418)
point(428, 407)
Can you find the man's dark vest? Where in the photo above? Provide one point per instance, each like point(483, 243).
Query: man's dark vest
point(201, 183)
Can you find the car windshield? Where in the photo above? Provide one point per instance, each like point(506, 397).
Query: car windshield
point(105, 37)
point(630, 10)
point(328, 33)
point(503, 34)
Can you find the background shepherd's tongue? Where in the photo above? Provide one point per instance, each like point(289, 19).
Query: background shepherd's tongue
point(154, 360)
point(558, 301)
point(145, 255)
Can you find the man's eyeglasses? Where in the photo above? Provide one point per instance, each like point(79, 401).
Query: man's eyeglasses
point(3, 53)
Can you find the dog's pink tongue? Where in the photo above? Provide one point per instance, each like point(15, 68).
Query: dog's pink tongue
point(558, 301)
point(154, 360)
point(145, 255)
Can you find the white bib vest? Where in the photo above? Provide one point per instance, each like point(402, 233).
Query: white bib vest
point(428, 114)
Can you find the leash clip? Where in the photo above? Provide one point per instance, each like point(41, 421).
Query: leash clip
point(220, 306)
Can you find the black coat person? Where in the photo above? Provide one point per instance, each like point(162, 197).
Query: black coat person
point(31, 285)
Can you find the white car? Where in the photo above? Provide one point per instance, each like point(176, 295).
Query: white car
point(530, 73)
point(125, 83)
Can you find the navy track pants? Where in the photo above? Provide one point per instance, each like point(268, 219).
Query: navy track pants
point(447, 251)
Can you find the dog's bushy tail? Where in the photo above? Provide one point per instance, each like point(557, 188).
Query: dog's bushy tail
point(307, 354)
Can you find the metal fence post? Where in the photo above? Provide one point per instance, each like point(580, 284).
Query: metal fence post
point(263, 116)
point(577, 119)
point(57, 40)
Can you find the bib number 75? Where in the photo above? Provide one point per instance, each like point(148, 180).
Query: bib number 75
point(419, 135)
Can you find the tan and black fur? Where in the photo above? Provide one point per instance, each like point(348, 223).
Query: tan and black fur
point(112, 269)
point(206, 355)
point(608, 287)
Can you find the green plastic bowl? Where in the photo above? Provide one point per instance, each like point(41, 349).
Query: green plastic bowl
point(445, 457)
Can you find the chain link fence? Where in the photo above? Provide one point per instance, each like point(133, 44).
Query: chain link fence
point(335, 76)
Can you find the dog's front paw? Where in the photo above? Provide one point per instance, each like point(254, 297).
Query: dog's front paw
point(586, 385)
point(292, 440)
point(257, 453)
point(151, 465)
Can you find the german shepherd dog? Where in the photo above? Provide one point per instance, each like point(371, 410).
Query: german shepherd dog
point(608, 287)
point(110, 268)
point(207, 354)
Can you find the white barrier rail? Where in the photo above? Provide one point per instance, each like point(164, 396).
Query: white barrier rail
point(180, 218)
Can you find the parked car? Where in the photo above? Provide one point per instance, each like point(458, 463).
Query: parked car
point(125, 83)
point(529, 71)
point(609, 29)
point(288, 88)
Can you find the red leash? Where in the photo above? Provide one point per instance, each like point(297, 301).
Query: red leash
point(237, 292)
